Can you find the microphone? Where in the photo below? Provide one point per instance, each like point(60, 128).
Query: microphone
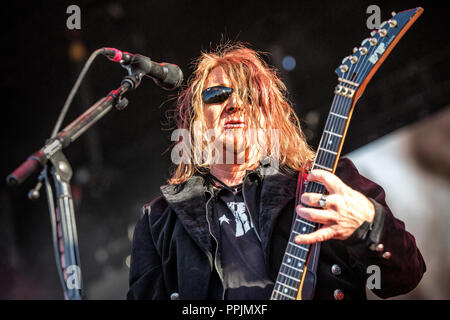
point(166, 75)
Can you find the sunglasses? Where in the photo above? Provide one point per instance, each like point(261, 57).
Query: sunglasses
point(216, 94)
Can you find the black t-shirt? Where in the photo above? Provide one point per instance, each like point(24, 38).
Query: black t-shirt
point(244, 270)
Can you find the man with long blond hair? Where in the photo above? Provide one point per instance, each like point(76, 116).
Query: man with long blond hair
point(220, 228)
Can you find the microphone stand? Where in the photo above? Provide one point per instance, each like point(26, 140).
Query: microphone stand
point(62, 215)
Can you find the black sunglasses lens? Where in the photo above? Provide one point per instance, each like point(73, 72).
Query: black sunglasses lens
point(216, 94)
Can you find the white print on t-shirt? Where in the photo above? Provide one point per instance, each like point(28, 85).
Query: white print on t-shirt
point(223, 219)
point(243, 224)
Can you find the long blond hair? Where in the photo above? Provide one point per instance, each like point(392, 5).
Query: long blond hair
point(264, 93)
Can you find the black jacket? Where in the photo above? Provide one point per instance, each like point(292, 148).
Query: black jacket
point(173, 253)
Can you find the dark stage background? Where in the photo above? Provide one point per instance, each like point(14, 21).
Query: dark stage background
point(120, 163)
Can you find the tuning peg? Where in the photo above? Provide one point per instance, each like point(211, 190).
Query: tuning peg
point(393, 13)
point(363, 43)
point(345, 59)
point(355, 49)
point(373, 33)
point(392, 23)
point(354, 59)
point(363, 50)
point(343, 68)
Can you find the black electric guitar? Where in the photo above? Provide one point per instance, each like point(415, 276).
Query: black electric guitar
point(354, 74)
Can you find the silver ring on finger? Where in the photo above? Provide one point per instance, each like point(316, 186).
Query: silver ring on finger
point(323, 201)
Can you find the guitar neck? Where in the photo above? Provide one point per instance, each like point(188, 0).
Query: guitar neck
point(295, 259)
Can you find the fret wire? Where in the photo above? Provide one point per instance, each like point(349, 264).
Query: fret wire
point(294, 268)
point(333, 142)
point(338, 115)
point(290, 277)
point(324, 159)
point(286, 286)
point(333, 133)
point(283, 294)
point(328, 151)
point(295, 257)
point(321, 166)
point(335, 124)
point(298, 246)
point(300, 220)
point(292, 280)
point(285, 289)
point(297, 262)
point(301, 226)
point(302, 254)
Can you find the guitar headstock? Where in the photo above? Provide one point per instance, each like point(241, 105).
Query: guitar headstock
point(357, 69)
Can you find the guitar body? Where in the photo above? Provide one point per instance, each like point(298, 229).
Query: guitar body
point(297, 275)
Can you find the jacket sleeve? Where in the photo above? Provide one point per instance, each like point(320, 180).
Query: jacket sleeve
point(384, 243)
point(146, 276)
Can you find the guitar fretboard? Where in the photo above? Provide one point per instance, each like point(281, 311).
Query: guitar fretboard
point(295, 257)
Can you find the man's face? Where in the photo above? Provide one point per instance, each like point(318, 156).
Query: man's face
point(227, 118)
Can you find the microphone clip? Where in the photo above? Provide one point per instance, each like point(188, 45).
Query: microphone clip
point(120, 102)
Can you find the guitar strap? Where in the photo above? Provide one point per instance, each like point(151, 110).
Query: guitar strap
point(310, 280)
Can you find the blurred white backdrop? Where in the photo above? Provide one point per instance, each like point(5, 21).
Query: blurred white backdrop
point(419, 195)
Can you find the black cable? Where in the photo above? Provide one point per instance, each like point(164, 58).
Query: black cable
point(74, 90)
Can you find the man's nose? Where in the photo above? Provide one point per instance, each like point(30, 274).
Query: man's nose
point(233, 105)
